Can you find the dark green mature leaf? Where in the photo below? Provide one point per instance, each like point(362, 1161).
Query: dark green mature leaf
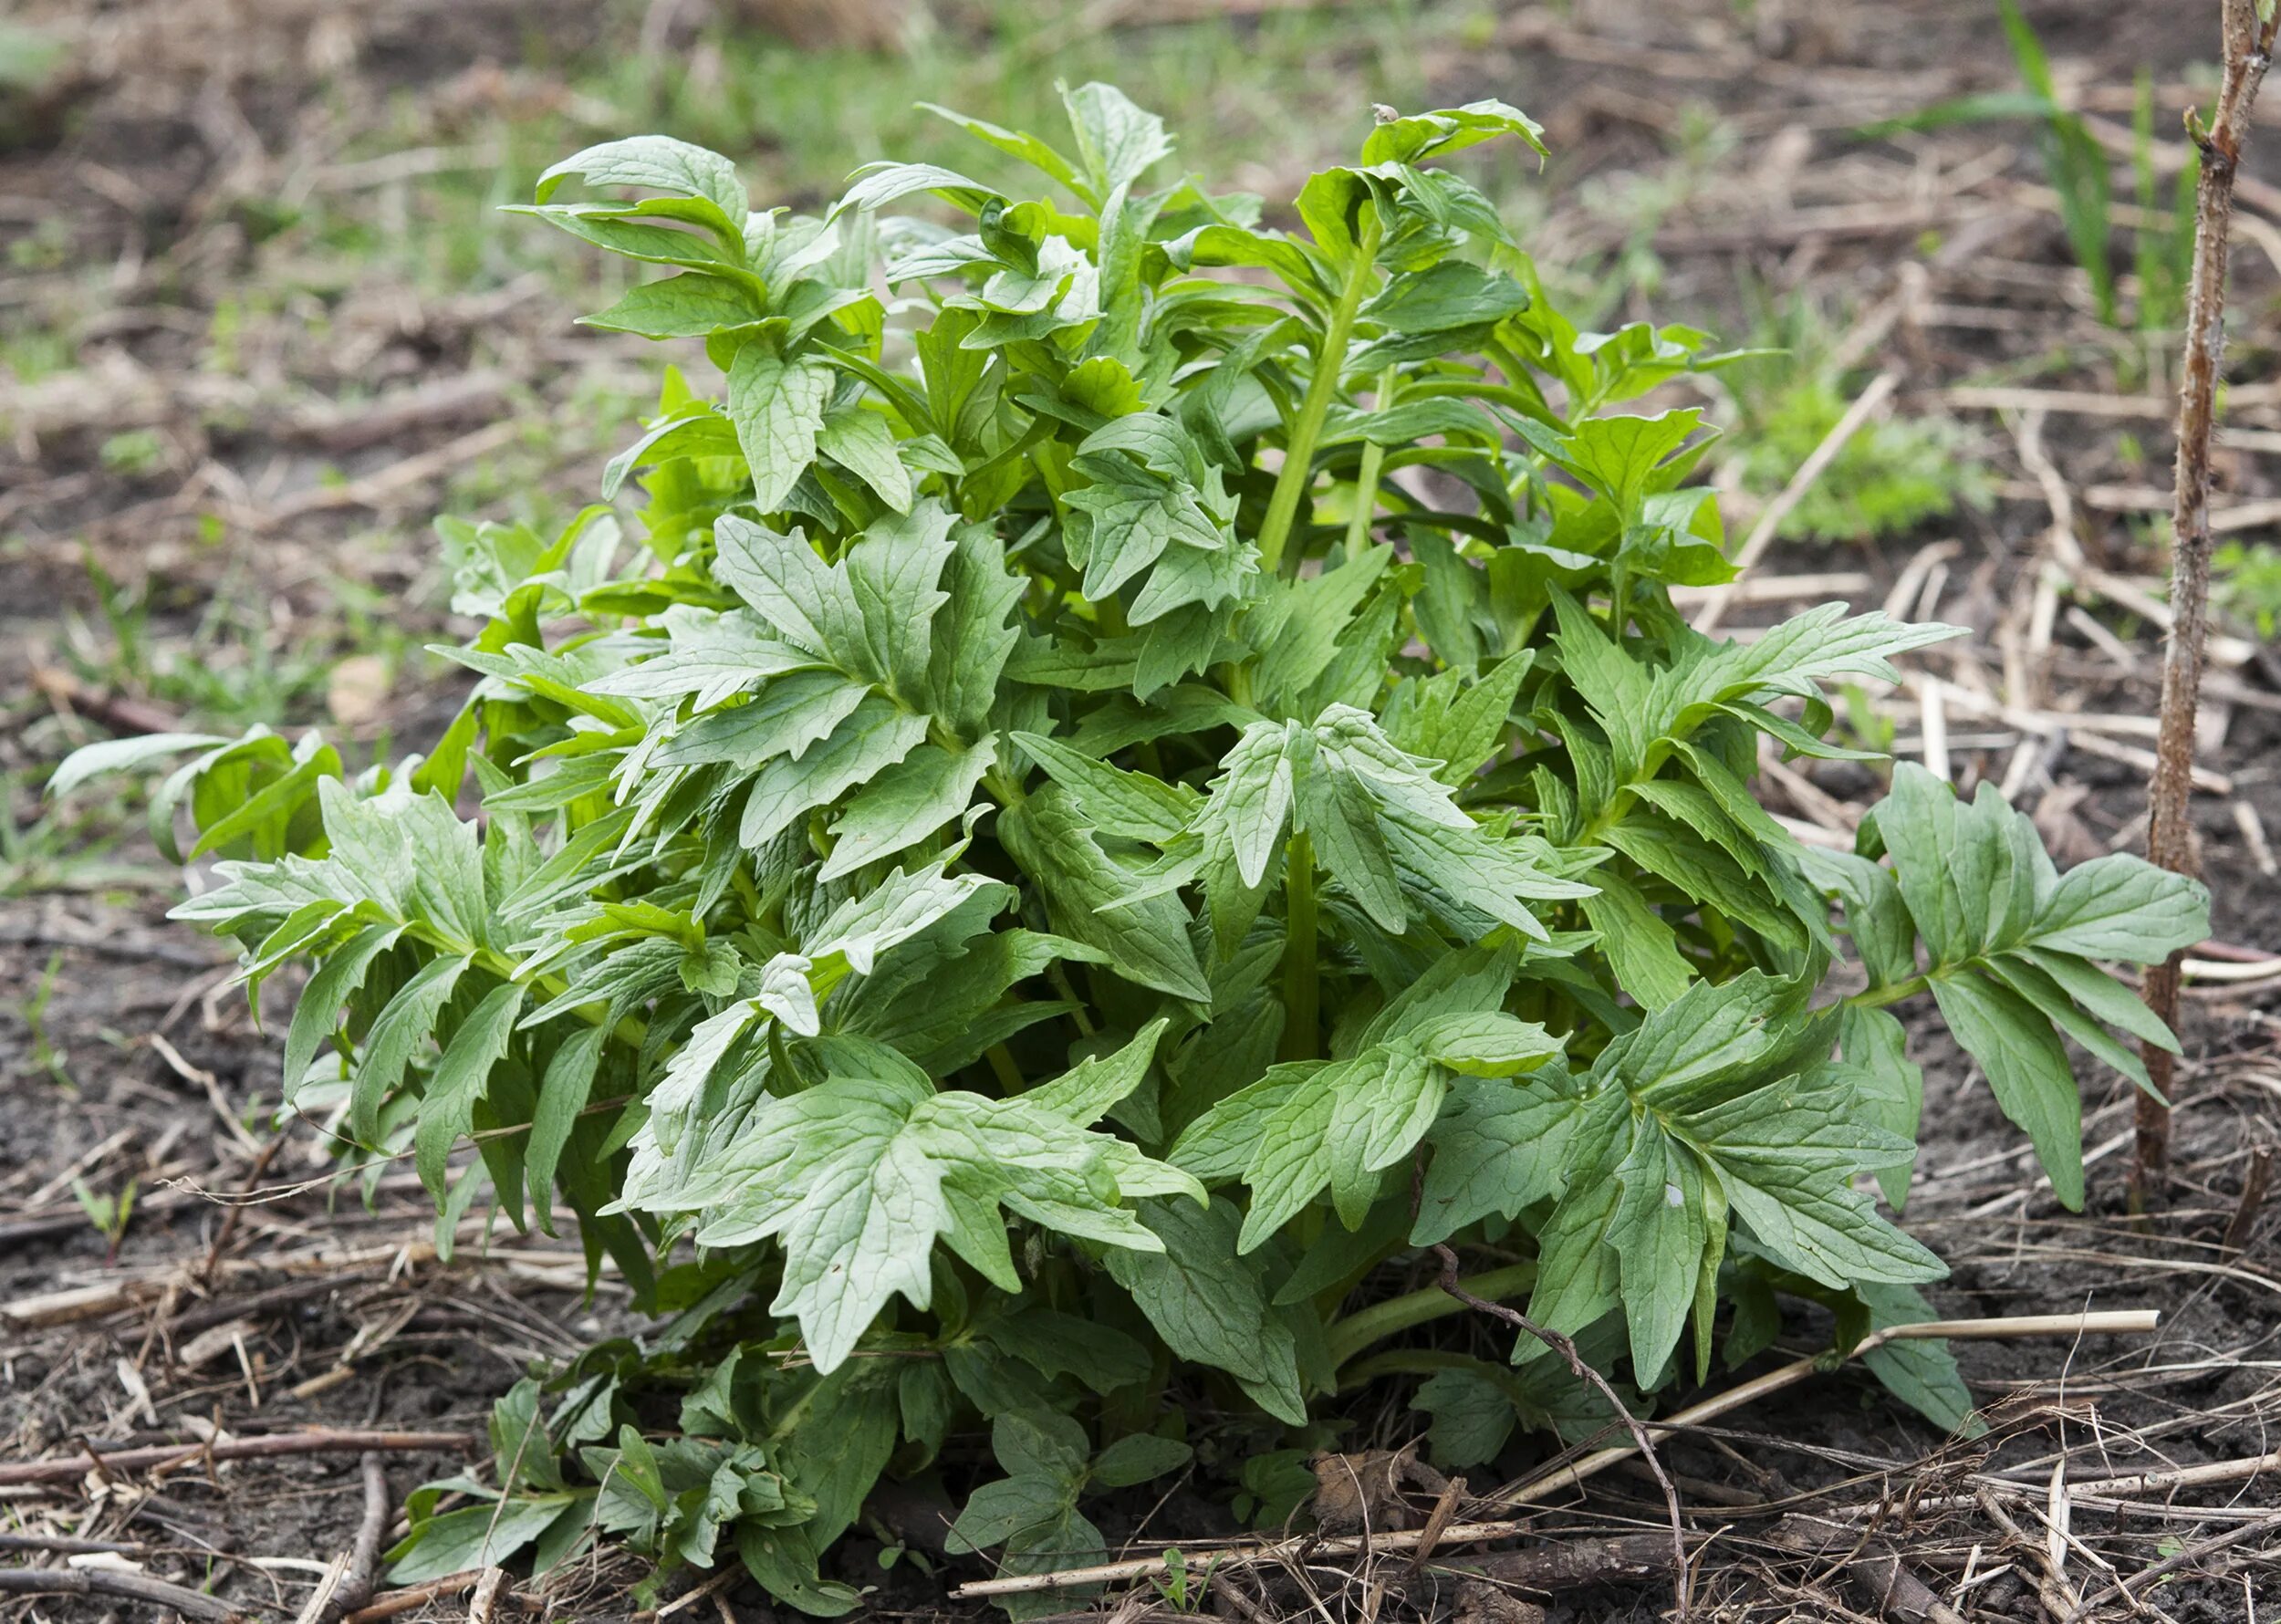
point(1092, 899)
point(1498, 1148)
point(1209, 1304)
point(2027, 1070)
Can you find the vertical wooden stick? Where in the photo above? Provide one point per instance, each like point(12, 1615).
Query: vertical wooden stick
point(2248, 47)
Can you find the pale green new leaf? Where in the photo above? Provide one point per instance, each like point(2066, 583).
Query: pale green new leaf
point(861, 442)
point(778, 405)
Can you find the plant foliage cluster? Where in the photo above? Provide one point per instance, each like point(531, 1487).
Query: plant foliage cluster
point(1129, 770)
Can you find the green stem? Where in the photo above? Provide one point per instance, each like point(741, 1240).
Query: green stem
point(631, 1030)
point(1349, 1337)
point(1878, 997)
point(1401, 1361)
point(1366, 478)
point(1299, 455)
point(1300, 989)
point(1059, 975)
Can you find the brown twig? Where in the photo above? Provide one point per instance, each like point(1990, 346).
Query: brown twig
point(1566, 1350)
point(228, 1226)
point(66, 1545)
point(105, 1581)
point(119, 712)
point(399, 1602)
point(1312, 1548)
point(2247, 50)
point(268, 1446)
point(363, 1571)
point(1875, 1570)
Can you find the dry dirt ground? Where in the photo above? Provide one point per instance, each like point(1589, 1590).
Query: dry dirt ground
point(219, 443)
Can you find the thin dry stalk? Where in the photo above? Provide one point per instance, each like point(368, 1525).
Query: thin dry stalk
point(2252, 1199)
point(268, 1446)
point(360, 1570)
point(1762, 534)
point(2248, 47)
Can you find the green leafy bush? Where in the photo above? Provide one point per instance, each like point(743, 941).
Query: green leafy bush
point(999, 898)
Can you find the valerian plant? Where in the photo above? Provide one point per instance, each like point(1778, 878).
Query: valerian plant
point(1124, 773)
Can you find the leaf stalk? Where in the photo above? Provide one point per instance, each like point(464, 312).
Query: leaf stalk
point(1298, 456)
point(1301, 993)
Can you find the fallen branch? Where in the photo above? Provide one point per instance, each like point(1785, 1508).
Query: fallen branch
point(1878, 1574)
point(1819, 586)
point(2183, 1477)
point(268, 1446)
point(2126, 594)
point(342, 429)
point(1885, 1581)
point(2091, 403)
point(2248, 51)
point(119, 712)
point(362, 1569)
point(68, 1545)
point(79, 1302)
point(377, 489)
point(221, 1310)
point(2069, 1326)
point(107, 1581)
point(1306, 1547)
point(2084, 732)
point(399, 1602)
point(1573, 1564)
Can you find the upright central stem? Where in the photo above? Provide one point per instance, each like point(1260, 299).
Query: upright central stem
point(2248, 46)
point(1298, 455)
point(1366, 479)
point(1301, 1005)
